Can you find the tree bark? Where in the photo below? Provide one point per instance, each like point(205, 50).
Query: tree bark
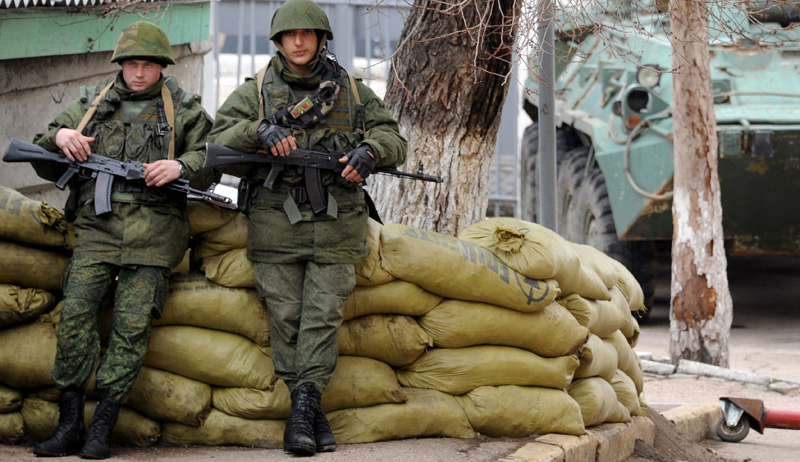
point(446, 90)
point(701, 308)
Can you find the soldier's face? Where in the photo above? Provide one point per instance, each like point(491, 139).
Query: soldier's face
point(300, 46)
point(140, 74)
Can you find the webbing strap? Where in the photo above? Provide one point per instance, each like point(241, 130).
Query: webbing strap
point(93, 107)
point(170, 110)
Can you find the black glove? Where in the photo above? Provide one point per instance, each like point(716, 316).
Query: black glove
point(270, 135)
point(361, 160)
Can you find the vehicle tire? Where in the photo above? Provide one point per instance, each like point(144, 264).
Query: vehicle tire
point(733, 434)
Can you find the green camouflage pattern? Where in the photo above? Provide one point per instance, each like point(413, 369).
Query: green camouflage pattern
point(143, 40)
point(299, 14)
point(138, 295)
point(306, 305)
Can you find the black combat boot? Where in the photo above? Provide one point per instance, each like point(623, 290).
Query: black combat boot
point(323, 435)
point(105, 417)
point(298, 438)
point(68, 437)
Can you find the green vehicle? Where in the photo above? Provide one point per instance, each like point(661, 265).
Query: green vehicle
point(614, 132)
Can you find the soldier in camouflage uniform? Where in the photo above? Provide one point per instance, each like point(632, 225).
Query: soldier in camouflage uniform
point(304, 262)
point(124, 255)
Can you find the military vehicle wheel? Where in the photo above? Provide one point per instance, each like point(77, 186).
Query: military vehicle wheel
point(570, 177)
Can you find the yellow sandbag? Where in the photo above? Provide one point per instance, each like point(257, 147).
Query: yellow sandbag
point(536, 252)
point(630, 287)
point(357, 382)
point(29, 221)
point(393, 339)
point(395, 297)
point(598, 359)
point(629, 361)
point(12, 427)
point(211, 356)
point(625, 390)
point(18, 305)
point(195, 301)
point(630, 326)
point(230, 269)
point(517, 412)
point(597, 261)
point(221, 429)
point(10, 399)
point(550, 332)
point(598, 401)
point(28, 352)
point(231, 235)
point(168, 397)
point(459, 269)
point(30, 267)
point(601, 316)
point(427, 413)
point(131, 429)
point(369, 272)
point(205, 216)
point(458, 371)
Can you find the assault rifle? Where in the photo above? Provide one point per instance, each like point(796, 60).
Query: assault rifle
point(311, 162)
point(103, 170)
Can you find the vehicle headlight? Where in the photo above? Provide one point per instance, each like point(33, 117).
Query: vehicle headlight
point(648, 75)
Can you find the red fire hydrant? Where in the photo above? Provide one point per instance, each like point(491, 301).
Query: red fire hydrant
point(740, 414)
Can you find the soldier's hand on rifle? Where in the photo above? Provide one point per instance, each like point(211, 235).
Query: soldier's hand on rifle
point(73, 144)
point(161, 172)
point(277, 139)
point(360, 164)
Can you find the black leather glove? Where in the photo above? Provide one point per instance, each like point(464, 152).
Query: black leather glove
point(270, 135)
point(361, 160)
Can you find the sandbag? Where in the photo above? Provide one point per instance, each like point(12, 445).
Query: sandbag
point(10, 399)
point(630, 287)
point(357, 382)
point(458, 371)
point(598, 401)
point(193, 300)
point(211, 356)
point(625, 390)
point(12, 427)
point(30, 267)
point(550, 332)
point(205, 216)
point(629, 361)
point(601, 316)
point(131, 429)
point(221, 429)
point(598, 359)
point(393, 339)
point(168, 397)
point(395, 297)
point(230, 269)
point(536, 252)
point(231, 235)
point(427, 413)
point(29, 351)
point(517, 412)
point(29, 221)
point(18, 305)
point(458, 269)
point(369, 272)
point(597, 261)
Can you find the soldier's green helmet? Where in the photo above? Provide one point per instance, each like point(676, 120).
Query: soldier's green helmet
point(299, 14)
point(143, 40)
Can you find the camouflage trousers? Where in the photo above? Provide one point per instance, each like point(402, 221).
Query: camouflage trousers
point(138, 294)
point(306, 303)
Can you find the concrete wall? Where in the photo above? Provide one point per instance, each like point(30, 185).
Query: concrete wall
point(34, 90)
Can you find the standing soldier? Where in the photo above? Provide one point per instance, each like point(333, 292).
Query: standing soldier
point(304, 254)
point(137, 115)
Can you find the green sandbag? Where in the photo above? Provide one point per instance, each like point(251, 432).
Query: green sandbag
point(221, 429)
point(12, 427)
point(10, 399)
point(195, 301)
point(602, 317)
point(18, 305)
point(28, 354)
point(461, 270)
point(625, 390)
point(598, 359)
point(395, 297)
point(458, 371)
point(231, 235)
point(230, 269)
point(427, 413)
point(205, 216)
point(29, 221)
point(517, 412)
point(131, 429)
point(550, 332)
point(536, 252)
point(168, 397)
point(629, 361)
point(211, 356)
point(369, 272)
point(598, 401)
point(357, 382)
point(393, 339)
point(30, 267)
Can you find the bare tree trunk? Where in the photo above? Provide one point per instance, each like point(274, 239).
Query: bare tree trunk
point(446, 90)
point(701, 309)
